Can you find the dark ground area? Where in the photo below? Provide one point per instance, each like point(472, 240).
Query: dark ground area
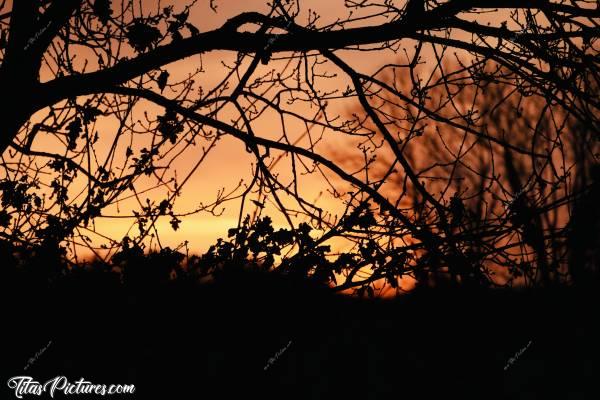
point(183, 342)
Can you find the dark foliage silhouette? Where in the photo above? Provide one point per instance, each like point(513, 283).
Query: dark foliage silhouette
point(97, 119)
point(510, 213)
point(181, 338)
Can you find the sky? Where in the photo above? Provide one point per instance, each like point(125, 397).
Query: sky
point(230, 163)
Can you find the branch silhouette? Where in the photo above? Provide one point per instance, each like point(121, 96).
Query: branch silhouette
point(465, 148)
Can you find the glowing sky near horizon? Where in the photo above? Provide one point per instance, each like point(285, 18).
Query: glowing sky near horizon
point(229, 162)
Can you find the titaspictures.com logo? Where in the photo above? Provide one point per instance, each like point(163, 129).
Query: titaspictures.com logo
point(26, 385)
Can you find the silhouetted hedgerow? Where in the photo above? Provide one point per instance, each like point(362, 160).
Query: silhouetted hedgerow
point(250, 249)
point(254, 249)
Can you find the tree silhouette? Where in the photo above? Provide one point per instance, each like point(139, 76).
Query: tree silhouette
point(495, 192)
point(71, 65)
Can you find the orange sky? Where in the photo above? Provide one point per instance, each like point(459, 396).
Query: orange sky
point(229, 162)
